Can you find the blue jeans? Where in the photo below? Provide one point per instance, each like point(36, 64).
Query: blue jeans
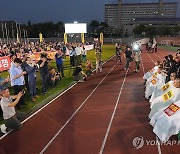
point(44, 78)
point(32, 88)
point(128, 60)
point(60, 69)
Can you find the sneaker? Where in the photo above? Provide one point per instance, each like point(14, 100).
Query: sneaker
point(33, 99)
point(80, 81)
point(36, 96)
point(3, 128)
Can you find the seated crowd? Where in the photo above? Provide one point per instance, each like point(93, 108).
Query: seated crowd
point(162, 89)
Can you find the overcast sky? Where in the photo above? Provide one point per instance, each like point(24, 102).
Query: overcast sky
point(57, 10)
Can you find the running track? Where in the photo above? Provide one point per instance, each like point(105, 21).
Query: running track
point(103, 115)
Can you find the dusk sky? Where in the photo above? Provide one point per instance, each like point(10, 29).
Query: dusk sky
point(58, 10)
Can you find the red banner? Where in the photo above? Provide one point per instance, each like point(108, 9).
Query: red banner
point(5, 63)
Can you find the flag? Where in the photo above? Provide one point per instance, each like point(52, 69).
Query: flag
point(101, 38)
point(65, 38)
point(40, 37)
point(82, 38)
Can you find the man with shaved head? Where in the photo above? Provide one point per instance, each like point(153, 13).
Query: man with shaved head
point(172, 96)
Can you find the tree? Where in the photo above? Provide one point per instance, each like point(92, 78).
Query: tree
point(139, 29)
point(29, 23)
point(94, 25)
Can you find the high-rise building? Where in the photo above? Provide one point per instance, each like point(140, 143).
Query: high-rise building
point(117, 15)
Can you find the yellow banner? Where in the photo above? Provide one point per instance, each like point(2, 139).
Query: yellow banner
point(155, 75)
point(40, 37)
point(65, 38)
point(101, 38)
point(82, 38)
point(166, 86)
point(168, 95)
point(153, 81)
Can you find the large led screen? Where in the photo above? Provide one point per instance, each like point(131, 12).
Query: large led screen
point(76, 28)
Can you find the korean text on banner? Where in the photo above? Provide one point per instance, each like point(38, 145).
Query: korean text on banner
point(5, 63)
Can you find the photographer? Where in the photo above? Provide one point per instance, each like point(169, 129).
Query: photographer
point(54, 77)
point(17, 78)
point(30, 67)
point(44, 72)
point(9, 114)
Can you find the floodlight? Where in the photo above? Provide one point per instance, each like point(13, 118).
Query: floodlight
point(135, 47)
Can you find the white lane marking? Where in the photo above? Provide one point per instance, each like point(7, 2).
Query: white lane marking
point(60, 130)
point(151, 58)
point(113, 114)
point(142, 64)
point(158, 145)
point(157, 141)
point(158, 56)
point(41, 108)
point(50, 102)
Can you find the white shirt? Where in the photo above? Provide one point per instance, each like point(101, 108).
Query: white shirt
point(8, 112)
point(78, 51)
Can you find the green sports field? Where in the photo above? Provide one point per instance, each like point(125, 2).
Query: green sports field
point(170, 48)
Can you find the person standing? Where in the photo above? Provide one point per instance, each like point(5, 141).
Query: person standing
point(78, 54)
point(59, 62)
point(84, 54)
point(17, 78)
point(44, 72)
point(98, 59)
point(128, 56)
point(118, 53)
point(137, 60)
point(30, 68)
point(72, 54)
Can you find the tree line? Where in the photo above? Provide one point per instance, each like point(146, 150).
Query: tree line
point(50, 29)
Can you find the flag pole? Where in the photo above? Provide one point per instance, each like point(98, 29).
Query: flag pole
point(6, 31)
point(24, 36)
point(13, 32)
point(3, 31)
point(20, 32)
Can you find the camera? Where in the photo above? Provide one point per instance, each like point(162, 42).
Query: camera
point(23, 91)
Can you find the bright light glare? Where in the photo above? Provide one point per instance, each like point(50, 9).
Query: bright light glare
point(135, 47)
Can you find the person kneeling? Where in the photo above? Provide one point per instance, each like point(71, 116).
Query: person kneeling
point(9, 114)
point(78, 74)
point(54, 77)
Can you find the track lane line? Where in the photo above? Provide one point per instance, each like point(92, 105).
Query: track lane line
point(60, 130)
point(113, 114)
point(157, 140)
point(32, 115)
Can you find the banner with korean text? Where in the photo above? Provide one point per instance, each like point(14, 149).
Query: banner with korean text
point(5, 63)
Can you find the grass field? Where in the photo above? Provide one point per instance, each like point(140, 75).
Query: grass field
point(107, 52)
point(170, 48)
